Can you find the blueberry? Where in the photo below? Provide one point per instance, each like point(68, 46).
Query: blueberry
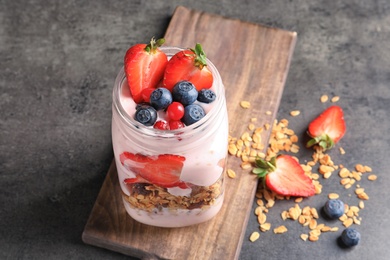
point(160, 98)
point(192, 114)
point(350, 237)
point(206, 96)
point(146, 115)
point(184, 92)
point(334, 208)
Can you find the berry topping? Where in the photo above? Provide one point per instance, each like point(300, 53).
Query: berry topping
point(145, 94)
point(144, 66)
point(192, 114)
point(160, 98)
point(188, 65)
point(146, 115)
point(162, 125)
point(285, 176)
point(165, 95)
point(175, 111)
point(185, 93)
point(350, 237)
point(176, 124)
point(206, 96)
point(334, 208)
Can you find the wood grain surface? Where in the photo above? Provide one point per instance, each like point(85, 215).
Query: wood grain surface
point(253, 61)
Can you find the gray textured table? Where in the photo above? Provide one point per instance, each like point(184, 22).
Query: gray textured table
point(58, 62)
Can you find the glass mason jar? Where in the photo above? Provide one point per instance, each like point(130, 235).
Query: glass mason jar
point(170, 178)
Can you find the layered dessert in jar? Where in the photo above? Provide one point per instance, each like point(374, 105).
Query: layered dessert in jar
point(170, 134)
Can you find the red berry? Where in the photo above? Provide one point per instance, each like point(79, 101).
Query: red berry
point(328, 128)
point(144, 67)
point(175, 111)
point(163, 170)
point(145, 94)
point(176, 124)
point(190, 65)
point(162, 125)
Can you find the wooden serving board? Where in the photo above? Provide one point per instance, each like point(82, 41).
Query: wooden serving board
point(253, 61)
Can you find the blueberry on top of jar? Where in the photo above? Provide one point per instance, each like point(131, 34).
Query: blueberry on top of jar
point(206, 96)
point(160, 98)
point(334, 208)
point(184, 92)
point(350, 237)
point(192, 114)
point(146, 115)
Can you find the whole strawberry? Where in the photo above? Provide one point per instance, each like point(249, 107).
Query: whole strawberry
point(189, 65)
point(328, 128)
point(285, 176)
point(144, 67)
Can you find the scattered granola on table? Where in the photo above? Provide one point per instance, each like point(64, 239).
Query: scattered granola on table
point(252, 151)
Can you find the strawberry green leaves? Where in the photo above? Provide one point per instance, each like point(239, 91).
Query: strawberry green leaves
point(264, 167)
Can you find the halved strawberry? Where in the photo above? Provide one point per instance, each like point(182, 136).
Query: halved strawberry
point(145, 94)
point(188, 65)
point(144, 67)
point(163, 170)
point(328, 128)
point(285, 176)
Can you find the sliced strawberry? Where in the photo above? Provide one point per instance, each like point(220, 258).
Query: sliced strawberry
point(145, 94)
point(188, 65)
point(285, 176)
point(144, 67)
point(328, 128)
point(163, 170)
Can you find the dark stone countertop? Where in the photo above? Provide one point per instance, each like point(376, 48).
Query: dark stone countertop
point(58, 61)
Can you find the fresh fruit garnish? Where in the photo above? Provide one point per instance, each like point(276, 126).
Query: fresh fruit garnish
point(176, 124)
point(188, 65)
point(144, 67)
point(328, 128)
point(285, 176)
point(162, 125)
point(334, 208)
point(206, 96)
point(184, 92)
point(192, 114)
point(163, 170)
point(160, 98)
point(175, 111)
point(145, 94)
point(146, 115)
point(350, 237)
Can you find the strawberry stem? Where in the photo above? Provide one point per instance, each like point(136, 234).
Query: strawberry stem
point(264, 167)
point(200, 60)
point(153, 45)
point(324, 141)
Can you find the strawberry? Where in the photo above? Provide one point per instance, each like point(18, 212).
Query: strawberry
point(163, 170)
point(190, 65)
point(328, 128)
point(144, 67)
point(285, 176)
point(145, 94)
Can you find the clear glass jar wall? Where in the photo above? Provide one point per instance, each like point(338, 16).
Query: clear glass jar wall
point(170, 178)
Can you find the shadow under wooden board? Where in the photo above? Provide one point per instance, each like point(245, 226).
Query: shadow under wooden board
point(253, 61)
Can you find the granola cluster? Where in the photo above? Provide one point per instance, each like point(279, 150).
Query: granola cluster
point(149, 197)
